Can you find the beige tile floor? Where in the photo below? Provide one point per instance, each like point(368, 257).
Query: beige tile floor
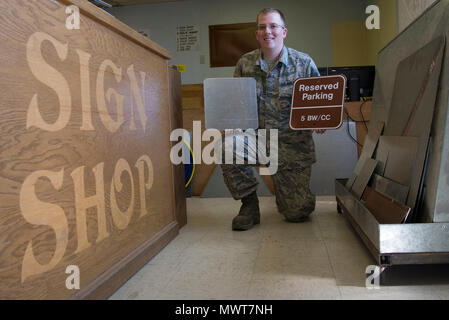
point(319, 259)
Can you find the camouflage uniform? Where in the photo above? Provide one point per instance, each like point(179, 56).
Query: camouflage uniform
point(296, 150)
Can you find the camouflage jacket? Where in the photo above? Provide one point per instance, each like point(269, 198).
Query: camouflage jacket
point(274, 94)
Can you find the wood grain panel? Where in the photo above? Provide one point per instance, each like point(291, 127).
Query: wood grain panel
point(178, 170)
point(360, 112)
point(192, 96)
point(85, 176)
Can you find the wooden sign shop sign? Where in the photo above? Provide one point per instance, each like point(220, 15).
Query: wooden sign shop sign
point(86, 182)
point(317, 103)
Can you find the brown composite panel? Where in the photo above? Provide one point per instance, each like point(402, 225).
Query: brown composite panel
point(385, 209)
point(81, 182)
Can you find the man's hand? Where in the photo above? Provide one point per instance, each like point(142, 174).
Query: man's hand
point(319, 131)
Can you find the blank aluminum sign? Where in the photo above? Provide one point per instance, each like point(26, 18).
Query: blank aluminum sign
point(230, 103)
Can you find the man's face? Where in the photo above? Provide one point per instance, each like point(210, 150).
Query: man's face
point(270, 33)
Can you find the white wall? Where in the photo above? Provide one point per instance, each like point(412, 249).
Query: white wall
point(308, 24)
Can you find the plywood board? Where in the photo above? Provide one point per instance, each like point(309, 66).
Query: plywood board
point(85, 175)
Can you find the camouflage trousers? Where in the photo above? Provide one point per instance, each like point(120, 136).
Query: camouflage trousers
point(294, 199)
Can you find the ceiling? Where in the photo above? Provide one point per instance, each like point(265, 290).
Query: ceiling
point(133, 2)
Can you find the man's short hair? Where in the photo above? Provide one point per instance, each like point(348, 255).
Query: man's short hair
point(271, 10)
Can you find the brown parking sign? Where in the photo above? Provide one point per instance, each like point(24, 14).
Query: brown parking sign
point(317, 103)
